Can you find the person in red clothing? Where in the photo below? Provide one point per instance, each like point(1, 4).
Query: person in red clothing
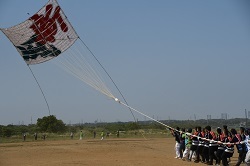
point(205, 150)
point(213, 146)
point(221, 147)
point(236, 139)
point(198, 151)
point(229, 150)
point(226, 130)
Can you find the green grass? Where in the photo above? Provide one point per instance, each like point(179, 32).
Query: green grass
point(148, 133)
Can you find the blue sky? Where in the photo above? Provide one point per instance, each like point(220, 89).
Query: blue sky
point(171, 60)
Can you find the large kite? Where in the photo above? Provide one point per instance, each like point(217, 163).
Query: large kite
point(43, 36)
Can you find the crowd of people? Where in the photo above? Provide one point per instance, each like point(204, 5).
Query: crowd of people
point(212, 147)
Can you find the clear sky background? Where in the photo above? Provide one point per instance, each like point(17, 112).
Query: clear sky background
point(172, 59)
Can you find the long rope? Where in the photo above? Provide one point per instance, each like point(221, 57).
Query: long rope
point(169, 127)
point(108, 76)
point(40, 88)
point(143, 114)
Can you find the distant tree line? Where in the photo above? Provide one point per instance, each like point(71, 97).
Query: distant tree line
point(50, 124)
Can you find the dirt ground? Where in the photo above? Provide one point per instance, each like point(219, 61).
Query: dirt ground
point(109, 152)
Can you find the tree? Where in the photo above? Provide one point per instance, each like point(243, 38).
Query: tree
point(51, 124)
point(133, 126)
point(7, 131)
